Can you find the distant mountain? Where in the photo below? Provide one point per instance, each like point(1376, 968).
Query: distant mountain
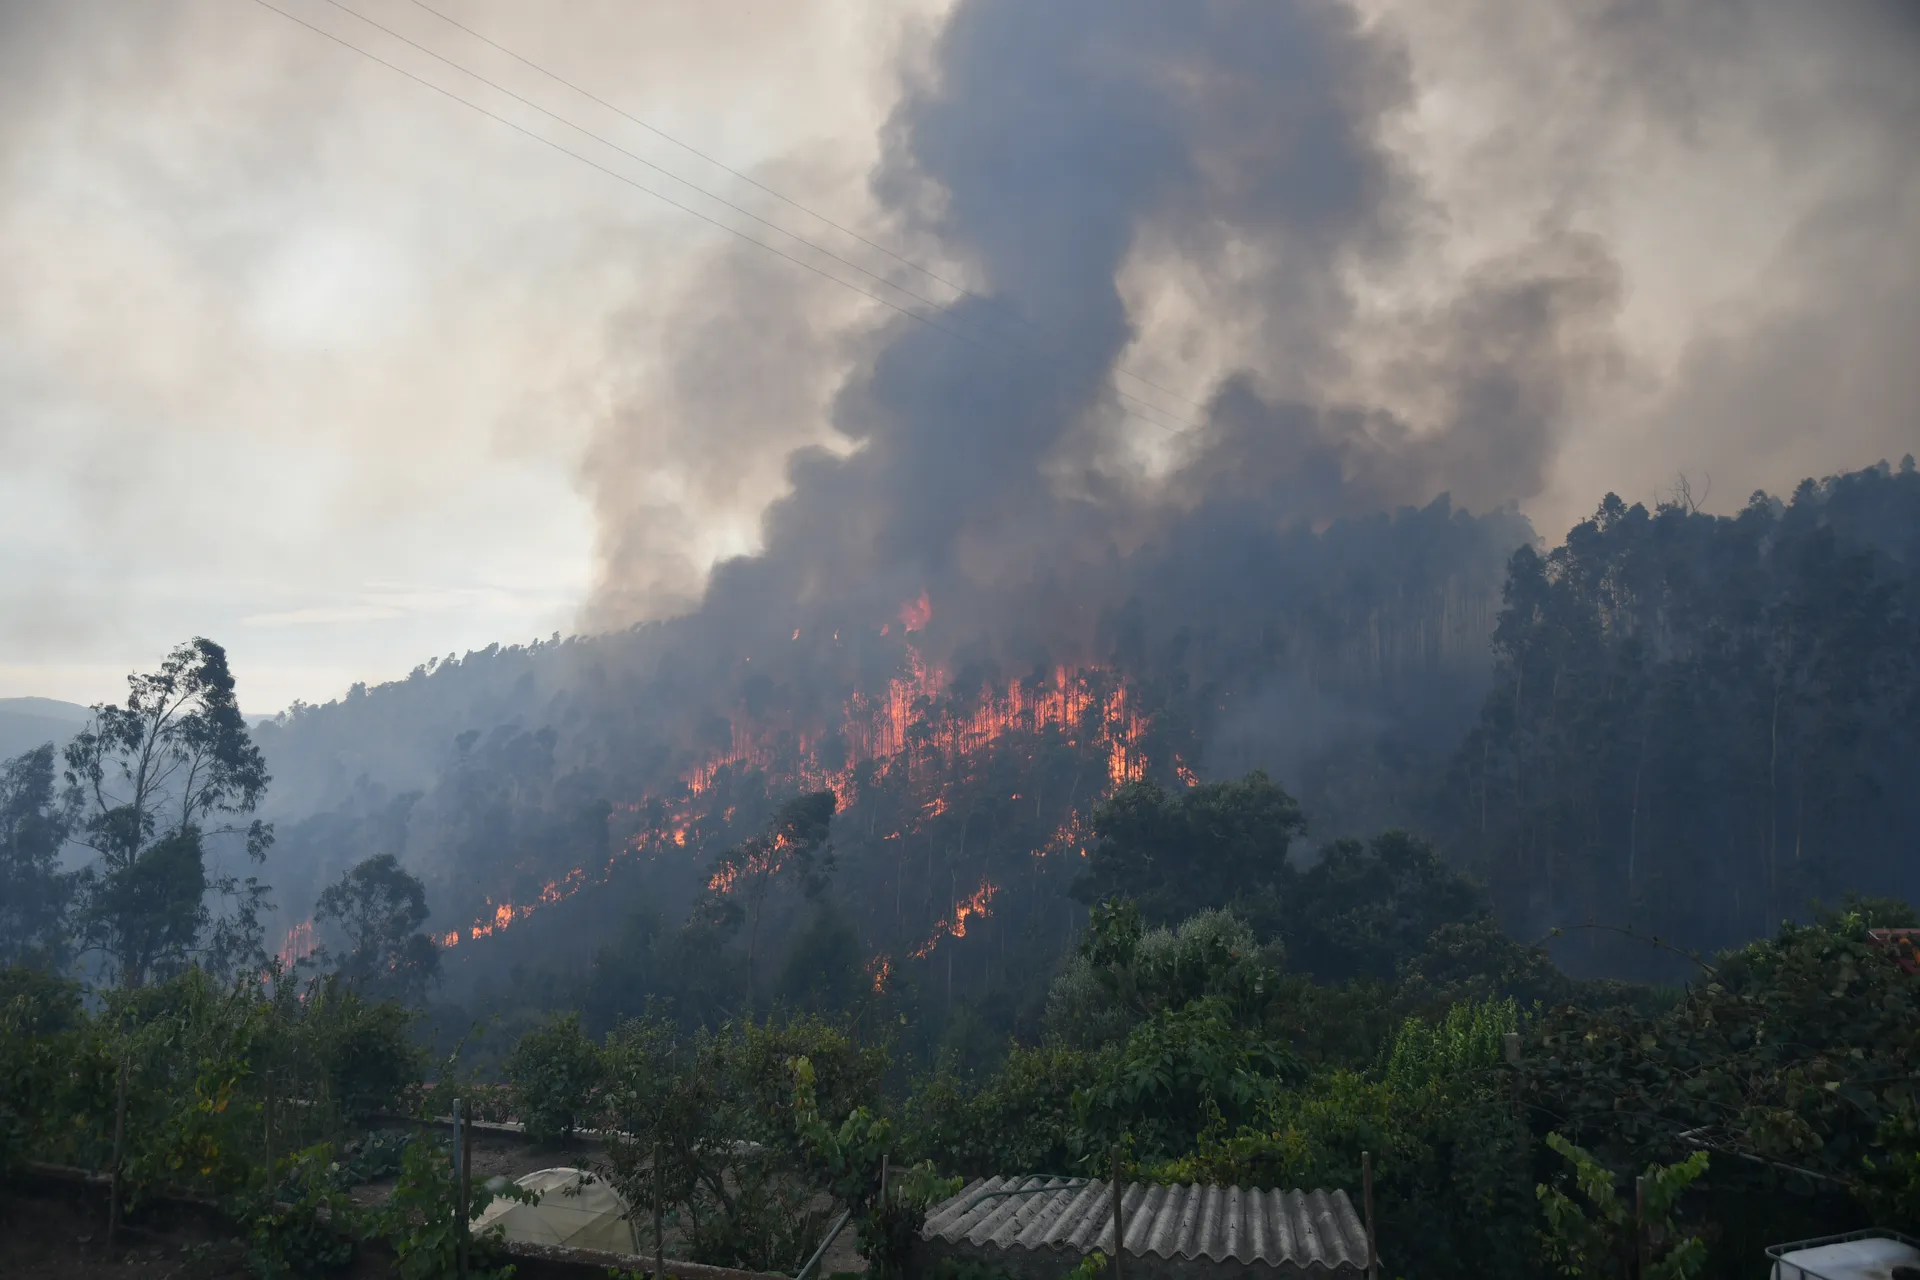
point(25, 723)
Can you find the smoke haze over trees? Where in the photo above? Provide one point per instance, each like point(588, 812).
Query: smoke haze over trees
point(1209, 461)
point(1013, 524)
point(1378, 252)
point(1112, 679)
point(1372, 668)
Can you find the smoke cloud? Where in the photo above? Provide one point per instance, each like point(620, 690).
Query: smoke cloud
point(1376, 252)
point(392, 379)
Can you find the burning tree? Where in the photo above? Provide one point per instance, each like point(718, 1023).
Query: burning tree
point(793, 850)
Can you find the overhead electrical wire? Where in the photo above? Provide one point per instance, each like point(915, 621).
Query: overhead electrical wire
point(1185, 427)
point(936, 304)
point(751, 181)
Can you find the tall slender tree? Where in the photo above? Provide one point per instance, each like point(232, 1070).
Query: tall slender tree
point(34, 893)
point(793, 850)
point(149, 782)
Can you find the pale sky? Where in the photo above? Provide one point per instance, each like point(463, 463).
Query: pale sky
point(300, 355)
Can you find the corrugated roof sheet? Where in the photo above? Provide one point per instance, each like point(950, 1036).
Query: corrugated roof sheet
point(1301, 1229)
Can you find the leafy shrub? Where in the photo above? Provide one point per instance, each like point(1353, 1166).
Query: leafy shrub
point(421, 1219)
point(552, 1075)
point(719, 1104)
point(1470, 1037)
point(1798, 1050)
point(851, 1162)
point(300, 1221)
point(41, 1003)
point(1451, 1172)
point(1122, 974)
point(1178, 1073)
point(364, 1047)
point(1606, 1241)
point(1019, 1119)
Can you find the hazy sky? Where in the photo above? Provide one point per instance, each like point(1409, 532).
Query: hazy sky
point(299, 354)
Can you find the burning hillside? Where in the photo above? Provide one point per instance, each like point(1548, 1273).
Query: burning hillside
point(918, 746)
point(966, 744)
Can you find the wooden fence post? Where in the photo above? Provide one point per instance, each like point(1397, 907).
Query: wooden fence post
point(1366, 1199)
point(1642, 1253)
point(266, 1120)
point(463, 1134)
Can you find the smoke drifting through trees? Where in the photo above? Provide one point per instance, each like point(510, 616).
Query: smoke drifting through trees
point(1228, 181)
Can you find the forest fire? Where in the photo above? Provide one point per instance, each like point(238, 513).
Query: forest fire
point(1072, 837)
point(754, 866)
point(919, 729)
point(299, 944)
point(978, 903)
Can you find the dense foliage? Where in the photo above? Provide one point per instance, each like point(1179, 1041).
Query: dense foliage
point(379, 909)
point(1772, 1096)
point(1018, 958)
point(1701, 722)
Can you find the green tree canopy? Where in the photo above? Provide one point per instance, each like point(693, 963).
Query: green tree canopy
point(145, 781)
point(380, 908)
point(1363, 910)
point(1213, 845)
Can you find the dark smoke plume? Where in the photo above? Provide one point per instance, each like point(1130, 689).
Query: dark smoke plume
point(1056, 149)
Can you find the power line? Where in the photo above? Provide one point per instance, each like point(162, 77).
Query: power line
point(684, 208)
point(689, 148)
point(609, 143)
point(695, 151)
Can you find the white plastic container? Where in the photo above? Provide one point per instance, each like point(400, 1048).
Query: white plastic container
point(1869, 1256)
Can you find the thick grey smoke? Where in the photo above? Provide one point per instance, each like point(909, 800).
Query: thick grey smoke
point(384, 377)
point(1047, 149)
point(1380, 252)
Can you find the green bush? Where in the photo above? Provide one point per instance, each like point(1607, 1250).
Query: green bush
point(220, 1079)
point(365, 1047)
point(1178, 1073)
point(734, 1170)
point(300, 1221)
point(552, 1075)
point(1452, 1184)
point(420, 1221)
point(1604, 1237)
point(1017, 1120)
point(851, 1162)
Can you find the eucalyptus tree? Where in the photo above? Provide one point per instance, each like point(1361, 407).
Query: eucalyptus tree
point(149, 783)
point(794, 850)
point(34, 893)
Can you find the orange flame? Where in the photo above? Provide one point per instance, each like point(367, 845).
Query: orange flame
point(914, 615)
point(298, 945)
point(907, 727)
point(880, 968)
point(978, 903)
point(1073, 834)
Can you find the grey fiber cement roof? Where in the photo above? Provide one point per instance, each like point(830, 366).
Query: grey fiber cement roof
point(1177, 1232)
